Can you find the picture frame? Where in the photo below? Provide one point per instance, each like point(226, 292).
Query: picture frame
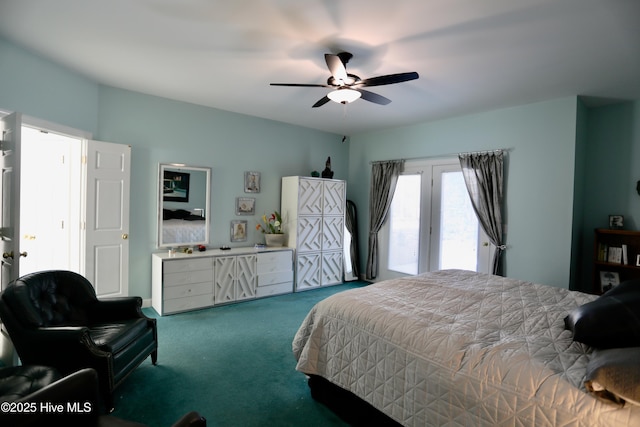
point(616, 222)
point(608, 280)
point(238, 231)
point(245, 205)
point(175, 186)
point(638, 260)
point(252, 182)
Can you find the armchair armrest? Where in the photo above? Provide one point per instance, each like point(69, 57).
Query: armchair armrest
point(191, 419)
point(117, 309)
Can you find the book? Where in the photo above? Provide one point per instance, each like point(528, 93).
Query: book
point(602, 252)
point(625, 255)
point(615, 255)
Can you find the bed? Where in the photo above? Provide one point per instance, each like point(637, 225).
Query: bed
point(181, 226)
point(458, 348)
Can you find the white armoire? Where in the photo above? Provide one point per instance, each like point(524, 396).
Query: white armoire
point(313, 212)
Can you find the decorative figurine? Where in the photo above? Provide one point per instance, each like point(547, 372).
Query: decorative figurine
point(327, 172)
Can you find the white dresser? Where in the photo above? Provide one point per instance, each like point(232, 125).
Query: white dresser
point(183, 282)
point(313, 215)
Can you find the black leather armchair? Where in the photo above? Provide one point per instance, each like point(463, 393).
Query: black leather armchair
point(55, 319)
point(32, 396)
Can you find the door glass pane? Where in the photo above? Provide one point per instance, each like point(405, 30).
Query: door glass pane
point(458, 225)
point(404, 225)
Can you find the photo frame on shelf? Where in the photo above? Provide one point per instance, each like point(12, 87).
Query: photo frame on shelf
point(608, 280)
point(238, 231)
point(252, 182)
point(245, 205)
point(616, 222)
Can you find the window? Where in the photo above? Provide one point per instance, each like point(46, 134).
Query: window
point(431, 223)
point(404, 230)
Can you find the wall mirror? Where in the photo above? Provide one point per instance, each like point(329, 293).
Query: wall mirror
point(183, 205)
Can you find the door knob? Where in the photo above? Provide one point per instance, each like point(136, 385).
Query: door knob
point(125, 236)
point(6, 255)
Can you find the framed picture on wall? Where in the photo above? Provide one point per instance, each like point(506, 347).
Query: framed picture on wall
point(238, 231)
point(245, 205)
point(175, 186)
point(616, 222)
point(252, 182)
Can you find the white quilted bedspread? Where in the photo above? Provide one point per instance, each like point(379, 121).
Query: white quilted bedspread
point(457, 348)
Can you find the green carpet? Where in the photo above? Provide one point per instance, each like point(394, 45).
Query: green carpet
point(233, 364)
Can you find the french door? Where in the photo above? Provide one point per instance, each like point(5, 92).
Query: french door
point(431, 224)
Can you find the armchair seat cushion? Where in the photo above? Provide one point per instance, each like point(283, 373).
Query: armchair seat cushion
point(113, 337)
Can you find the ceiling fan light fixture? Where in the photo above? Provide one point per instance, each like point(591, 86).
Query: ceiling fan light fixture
point(344, 95)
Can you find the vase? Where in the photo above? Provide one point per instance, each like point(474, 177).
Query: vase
point(274, 239)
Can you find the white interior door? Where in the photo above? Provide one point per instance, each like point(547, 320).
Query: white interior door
point(107, 217)
point(10, 127)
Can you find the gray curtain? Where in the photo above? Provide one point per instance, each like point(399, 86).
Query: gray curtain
point(483, 175)
point(384, 176)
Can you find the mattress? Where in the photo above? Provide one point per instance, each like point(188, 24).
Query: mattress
point(457, 348)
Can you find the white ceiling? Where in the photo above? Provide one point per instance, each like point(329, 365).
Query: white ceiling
point(472, 55)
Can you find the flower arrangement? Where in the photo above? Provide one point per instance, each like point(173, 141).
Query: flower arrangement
point(272, 224)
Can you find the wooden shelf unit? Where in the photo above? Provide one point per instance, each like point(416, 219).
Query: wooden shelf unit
point(605, 240)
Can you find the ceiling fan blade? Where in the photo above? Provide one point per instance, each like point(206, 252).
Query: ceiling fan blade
point(337, 68)
point(298, 85)
point(388, 79)
point(373, 97)
point(321, 102)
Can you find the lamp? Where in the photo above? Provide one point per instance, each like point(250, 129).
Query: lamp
point(344, 95)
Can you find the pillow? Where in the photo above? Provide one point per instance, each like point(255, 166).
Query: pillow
point(611, 321)
point(614, 375)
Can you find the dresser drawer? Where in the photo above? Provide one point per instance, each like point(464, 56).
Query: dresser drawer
point(281, 288)
point(273, 278)
point(274, 261)
point(188, 290)
point(181, 265)
point(187, 277)
point(188, 303)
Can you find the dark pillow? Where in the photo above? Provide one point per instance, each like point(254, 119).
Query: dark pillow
point(614, 375)
point(611, 321)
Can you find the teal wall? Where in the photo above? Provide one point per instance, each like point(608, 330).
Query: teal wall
point(563, 157)
point(162, 131)
point(611, 172)
point(540, 168)
point(579, 281)
point(47, 91)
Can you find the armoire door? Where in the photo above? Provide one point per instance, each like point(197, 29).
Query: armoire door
point(310, 197)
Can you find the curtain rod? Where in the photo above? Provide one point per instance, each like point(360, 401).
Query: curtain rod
point(504, 150)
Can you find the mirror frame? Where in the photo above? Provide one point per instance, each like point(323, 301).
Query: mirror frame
point(180, 167)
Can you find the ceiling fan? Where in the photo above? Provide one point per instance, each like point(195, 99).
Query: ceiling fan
point(348, 87)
